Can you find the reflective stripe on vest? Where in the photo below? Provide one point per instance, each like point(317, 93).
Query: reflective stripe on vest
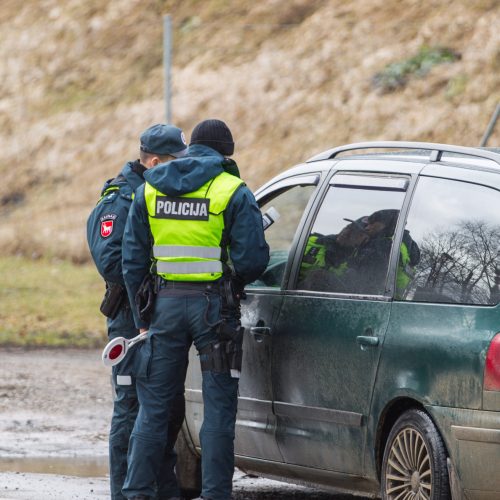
point(186, 251)
point(187, 229)
point(213, 266)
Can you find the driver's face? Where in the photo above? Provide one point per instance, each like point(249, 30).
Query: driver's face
point(351, 236)
point(374, 228)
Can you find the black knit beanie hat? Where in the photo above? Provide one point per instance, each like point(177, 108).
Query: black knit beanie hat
point(215, 134)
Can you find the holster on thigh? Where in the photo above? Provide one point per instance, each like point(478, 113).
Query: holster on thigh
point(222, 356)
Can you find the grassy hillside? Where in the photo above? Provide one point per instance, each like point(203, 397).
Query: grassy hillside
point(50, 303)
point(82, 78)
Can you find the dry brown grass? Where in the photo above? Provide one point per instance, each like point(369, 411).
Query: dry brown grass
point(82, 78)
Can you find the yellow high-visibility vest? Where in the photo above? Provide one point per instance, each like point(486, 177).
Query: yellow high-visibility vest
point(187, 229)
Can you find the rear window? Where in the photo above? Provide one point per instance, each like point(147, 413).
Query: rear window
point(452, 240)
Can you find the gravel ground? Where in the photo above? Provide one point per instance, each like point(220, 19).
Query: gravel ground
point(55, 407)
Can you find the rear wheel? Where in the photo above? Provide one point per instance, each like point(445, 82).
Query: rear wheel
point(414, 464)
point(188, 467)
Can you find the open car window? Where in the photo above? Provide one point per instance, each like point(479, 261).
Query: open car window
point(289, 199)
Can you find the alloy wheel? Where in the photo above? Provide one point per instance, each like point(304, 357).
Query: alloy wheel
point(409, 470)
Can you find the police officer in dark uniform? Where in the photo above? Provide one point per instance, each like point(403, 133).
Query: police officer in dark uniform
point(199, 217)
point(105, 226)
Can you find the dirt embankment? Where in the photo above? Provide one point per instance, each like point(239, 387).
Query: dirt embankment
point(81, 79)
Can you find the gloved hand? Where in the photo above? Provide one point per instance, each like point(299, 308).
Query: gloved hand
point(145, 298)
point(239, 288)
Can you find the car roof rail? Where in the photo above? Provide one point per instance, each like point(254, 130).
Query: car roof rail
point(436, 150)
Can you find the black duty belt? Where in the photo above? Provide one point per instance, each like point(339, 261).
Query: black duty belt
point(185, 286)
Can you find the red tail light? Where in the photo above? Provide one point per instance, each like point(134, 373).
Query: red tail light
point(492, 366)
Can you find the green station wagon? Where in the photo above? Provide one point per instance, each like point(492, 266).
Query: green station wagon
point(371, 352)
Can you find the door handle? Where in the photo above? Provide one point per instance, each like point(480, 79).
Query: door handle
point(258, 332)
point(368, 339)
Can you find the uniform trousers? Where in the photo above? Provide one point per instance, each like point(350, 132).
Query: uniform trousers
point(125, 410)
point(178, 321)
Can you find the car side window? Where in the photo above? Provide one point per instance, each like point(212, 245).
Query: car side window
point(456, 227)
point(348, 248)
point(290, 203)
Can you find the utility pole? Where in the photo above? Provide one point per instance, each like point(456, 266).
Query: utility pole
point(167, 65)
point(490, 127)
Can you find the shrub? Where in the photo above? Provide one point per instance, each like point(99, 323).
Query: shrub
point(396, 75)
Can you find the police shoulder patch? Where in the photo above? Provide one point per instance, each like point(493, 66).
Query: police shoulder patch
point(107, 224)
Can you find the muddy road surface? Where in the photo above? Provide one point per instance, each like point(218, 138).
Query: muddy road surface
point(55, 407)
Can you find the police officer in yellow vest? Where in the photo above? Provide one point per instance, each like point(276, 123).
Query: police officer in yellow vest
point(199, 230)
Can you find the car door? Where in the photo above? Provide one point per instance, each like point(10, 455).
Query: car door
point(331, 326)
point(256, 425)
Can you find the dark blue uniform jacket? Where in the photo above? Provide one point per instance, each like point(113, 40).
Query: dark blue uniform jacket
point(248, 250)
point(106, 222)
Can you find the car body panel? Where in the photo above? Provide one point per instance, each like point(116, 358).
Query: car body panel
point(465, 173)
point(432, 366)
point(473, 441)
point(445, 364)
point(256, 422)
point(322, 378)
point(307, 476)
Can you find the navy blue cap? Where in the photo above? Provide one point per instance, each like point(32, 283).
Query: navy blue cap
point(164, 140)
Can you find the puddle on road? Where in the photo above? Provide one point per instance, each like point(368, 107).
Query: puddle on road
point(67, 466)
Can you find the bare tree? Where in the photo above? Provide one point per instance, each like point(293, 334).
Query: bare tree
point(460, 264)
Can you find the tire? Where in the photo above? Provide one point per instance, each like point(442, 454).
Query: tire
point(188, 467)
point(414, 465)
